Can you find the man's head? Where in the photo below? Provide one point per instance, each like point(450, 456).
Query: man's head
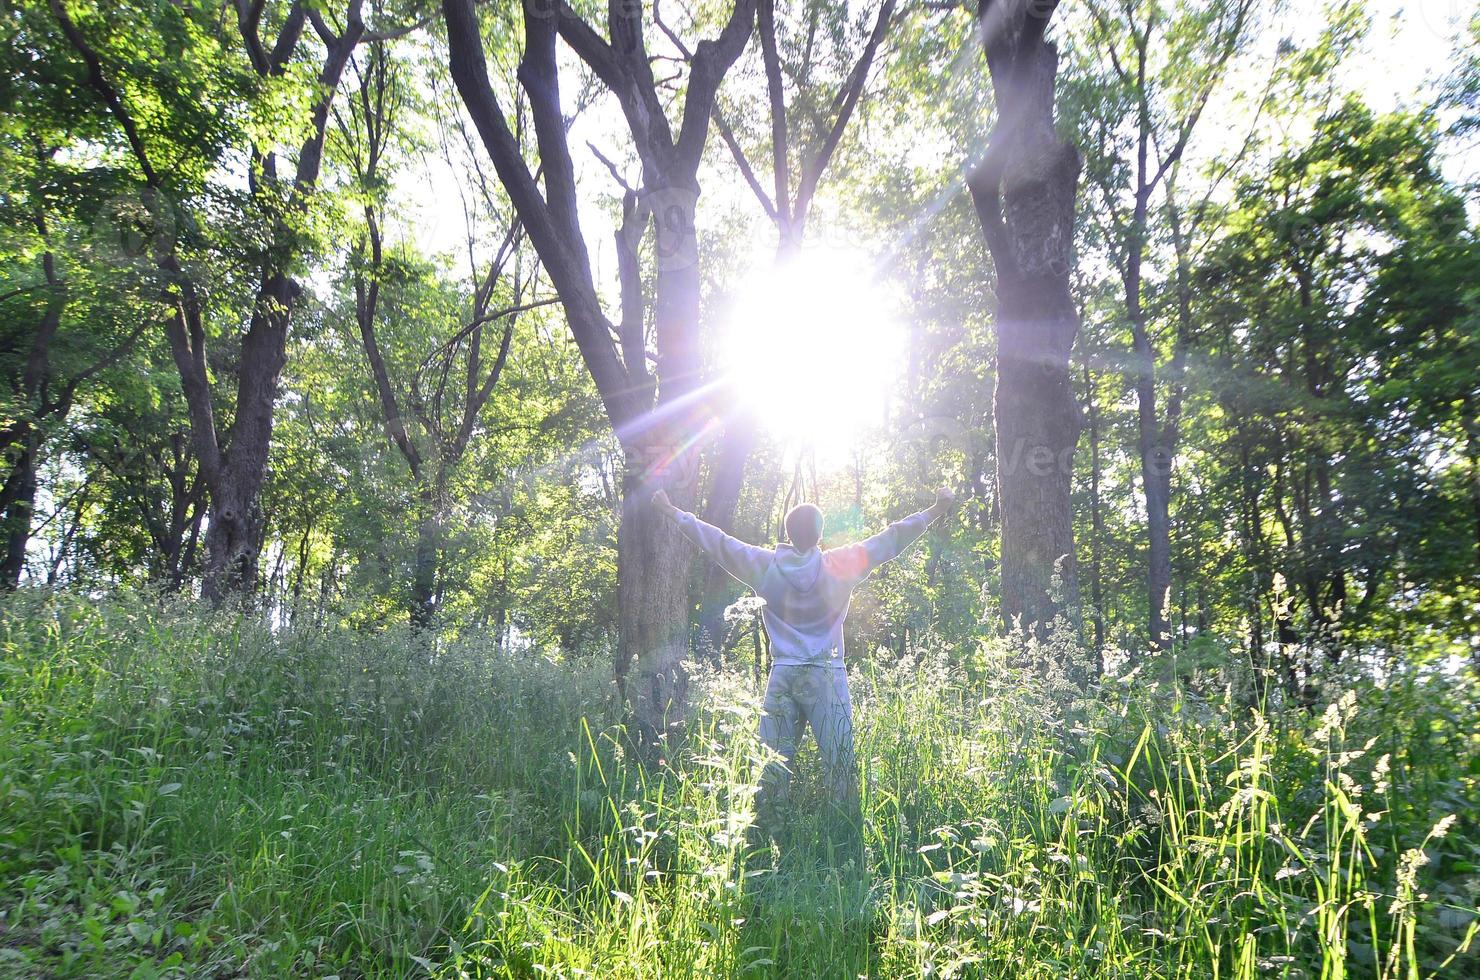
point(804, 526)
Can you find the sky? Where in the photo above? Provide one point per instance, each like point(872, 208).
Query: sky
point(1412, 44)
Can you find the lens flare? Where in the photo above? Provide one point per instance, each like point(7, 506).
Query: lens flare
point(812, 348)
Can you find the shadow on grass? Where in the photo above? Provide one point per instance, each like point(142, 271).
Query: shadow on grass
point(811, 899)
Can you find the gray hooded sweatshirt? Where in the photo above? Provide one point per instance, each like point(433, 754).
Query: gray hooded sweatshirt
point(806, 592)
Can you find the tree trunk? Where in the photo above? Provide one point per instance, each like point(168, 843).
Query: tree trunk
point(235, 521)
point(22, 439)
point(1023, 189)
point(1096, 515)
point(175, 525)
point(427, 556)
point(233, 539)
point(661, 452)
point(19, 503)
point(181, 564)
point(724, 500)
point(1156, 472)
point(652, 625)
point(1037, 426)
point(1155, 458)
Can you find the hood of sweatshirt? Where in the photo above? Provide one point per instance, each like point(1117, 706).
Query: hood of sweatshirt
point(799, 568)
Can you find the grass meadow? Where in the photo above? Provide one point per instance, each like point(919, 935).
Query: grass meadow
point(186, 794)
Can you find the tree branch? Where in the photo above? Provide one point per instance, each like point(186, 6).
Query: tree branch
point(248, 22)
point(712, 59)
point(392, 33)
point(635, 217)
point(728, 136)
point(846, 100)
point(188, 345)
point(780, 142)
point(106, 91)
point(287, 41)
point(565, 261)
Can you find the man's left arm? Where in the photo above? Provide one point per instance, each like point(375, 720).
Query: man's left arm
point(891, 542)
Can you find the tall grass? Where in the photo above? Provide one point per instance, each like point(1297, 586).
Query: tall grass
point(187, 794)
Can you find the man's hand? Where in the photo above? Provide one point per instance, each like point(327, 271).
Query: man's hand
point(662, 503)
point(945, 498)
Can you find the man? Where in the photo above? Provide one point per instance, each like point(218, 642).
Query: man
point(807, 591)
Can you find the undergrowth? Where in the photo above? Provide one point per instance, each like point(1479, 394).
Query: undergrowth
point(193, 794)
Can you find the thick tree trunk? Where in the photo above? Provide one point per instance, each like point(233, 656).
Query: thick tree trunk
point(1037, 424)
point(653, 623)
point(1024, 189)
point(661, 451)
point(233, 539)
point(236, 525)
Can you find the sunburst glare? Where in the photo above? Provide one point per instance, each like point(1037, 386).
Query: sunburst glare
point(813, 348)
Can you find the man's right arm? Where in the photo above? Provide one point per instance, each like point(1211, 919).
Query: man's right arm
point(744, 561)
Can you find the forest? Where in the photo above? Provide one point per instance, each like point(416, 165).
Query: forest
point(352, 352)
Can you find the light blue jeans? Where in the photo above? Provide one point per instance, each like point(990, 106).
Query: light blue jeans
point(798, 696)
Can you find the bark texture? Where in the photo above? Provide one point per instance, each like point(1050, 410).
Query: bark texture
point(1024, 188)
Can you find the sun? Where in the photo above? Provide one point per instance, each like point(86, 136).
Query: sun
point(812, 348)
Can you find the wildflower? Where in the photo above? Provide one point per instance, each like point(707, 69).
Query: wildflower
point(1381, 773)
point(1408, 867)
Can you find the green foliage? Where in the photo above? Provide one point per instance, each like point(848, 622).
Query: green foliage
point(190, 794)
point(1346, 384)
point(193, 794)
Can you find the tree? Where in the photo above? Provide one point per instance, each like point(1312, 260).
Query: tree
point(233, 462)
point(70, 313)
point(1023, 187)
point(455, 377)
point(134, 441)
point(1165, 92)
point(660, 416)
point(1342, 335)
